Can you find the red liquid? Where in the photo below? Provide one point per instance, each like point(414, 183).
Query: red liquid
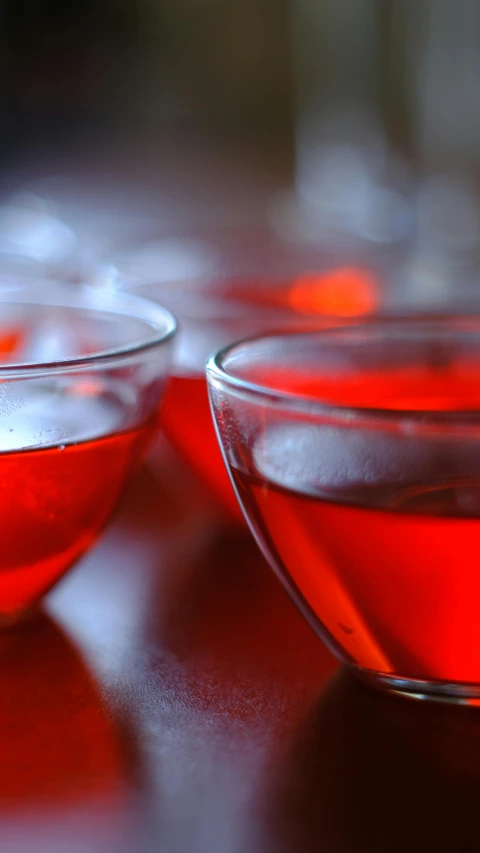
point(379, 534)
point(55, 500)
point(188, 421)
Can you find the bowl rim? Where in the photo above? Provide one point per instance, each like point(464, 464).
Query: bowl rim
point(410, 325)
point(82, 297)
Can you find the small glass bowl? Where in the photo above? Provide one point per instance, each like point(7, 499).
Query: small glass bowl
point(355, 455)
point(81, 376)
point(289, 291)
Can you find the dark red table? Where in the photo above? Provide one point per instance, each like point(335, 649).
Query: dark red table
point(170, 698)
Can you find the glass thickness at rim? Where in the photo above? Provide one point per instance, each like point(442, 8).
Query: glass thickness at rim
point(455, 329)
point(90, 300)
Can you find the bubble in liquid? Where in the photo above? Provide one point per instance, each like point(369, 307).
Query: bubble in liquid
point(12, 397)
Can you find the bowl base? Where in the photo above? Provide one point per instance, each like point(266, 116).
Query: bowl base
point(456, 692)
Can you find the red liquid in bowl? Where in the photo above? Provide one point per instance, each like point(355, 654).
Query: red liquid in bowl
point(55, 499)
point(187, 419)
point(380, 535)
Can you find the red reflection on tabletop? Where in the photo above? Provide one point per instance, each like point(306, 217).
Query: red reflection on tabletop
point(57, 742)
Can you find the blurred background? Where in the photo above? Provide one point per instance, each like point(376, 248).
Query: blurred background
point(351, 125)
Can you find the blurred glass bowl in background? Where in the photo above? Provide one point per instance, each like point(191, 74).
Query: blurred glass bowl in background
point(291, 290)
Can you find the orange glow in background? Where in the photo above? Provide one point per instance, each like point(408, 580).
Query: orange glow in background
point(343, 292)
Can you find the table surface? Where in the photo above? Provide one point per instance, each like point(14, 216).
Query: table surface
point(170, 698)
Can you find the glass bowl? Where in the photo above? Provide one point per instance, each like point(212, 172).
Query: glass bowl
point(355, 455)
point(218, 310)
point(81, 375)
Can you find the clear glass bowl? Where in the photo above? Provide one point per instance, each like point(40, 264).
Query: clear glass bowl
point(81, 376)
point(292, 292)
point(355, 455)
